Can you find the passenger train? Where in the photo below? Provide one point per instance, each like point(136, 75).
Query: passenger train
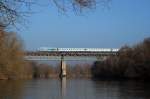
point(79, 49)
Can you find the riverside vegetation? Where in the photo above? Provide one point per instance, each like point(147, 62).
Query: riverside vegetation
point(130, 63)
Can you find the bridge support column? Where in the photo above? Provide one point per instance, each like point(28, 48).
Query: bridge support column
point(63, 67)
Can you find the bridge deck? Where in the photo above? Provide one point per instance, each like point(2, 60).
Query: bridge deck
point(72, 53)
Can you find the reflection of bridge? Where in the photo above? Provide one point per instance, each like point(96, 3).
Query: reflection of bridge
point(69, 55)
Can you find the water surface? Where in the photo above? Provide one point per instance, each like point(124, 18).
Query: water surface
point(73, 89)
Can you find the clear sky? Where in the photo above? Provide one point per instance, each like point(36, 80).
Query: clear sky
point(124, 22)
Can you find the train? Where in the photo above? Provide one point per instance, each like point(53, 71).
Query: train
point(49, 49)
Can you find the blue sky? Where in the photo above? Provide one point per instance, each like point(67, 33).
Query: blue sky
point(124, 22)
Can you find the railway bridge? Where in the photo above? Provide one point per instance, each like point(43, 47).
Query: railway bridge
point(63, 54)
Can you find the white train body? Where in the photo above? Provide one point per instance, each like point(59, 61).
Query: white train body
point(79, 49)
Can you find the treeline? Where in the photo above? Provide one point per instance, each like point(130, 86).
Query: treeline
point(41, 70)
point(79, 71)
point(130, 63)
point(12, 64)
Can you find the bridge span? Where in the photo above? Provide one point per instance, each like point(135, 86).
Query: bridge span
point(63, 54)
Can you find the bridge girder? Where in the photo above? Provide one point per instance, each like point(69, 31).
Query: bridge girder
point(68, 55)
point(56, 53)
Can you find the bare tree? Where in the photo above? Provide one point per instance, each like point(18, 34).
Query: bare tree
point(12, 64)
point(14, 10)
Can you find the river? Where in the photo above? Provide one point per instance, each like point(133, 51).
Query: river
point(73, 89)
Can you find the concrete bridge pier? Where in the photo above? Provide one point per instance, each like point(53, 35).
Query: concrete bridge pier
point(63, 67)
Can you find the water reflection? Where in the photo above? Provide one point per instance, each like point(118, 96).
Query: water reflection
point(73, 89)
point(63, 87)
point(11, 89)
point(134, 90)
point(122, 89)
